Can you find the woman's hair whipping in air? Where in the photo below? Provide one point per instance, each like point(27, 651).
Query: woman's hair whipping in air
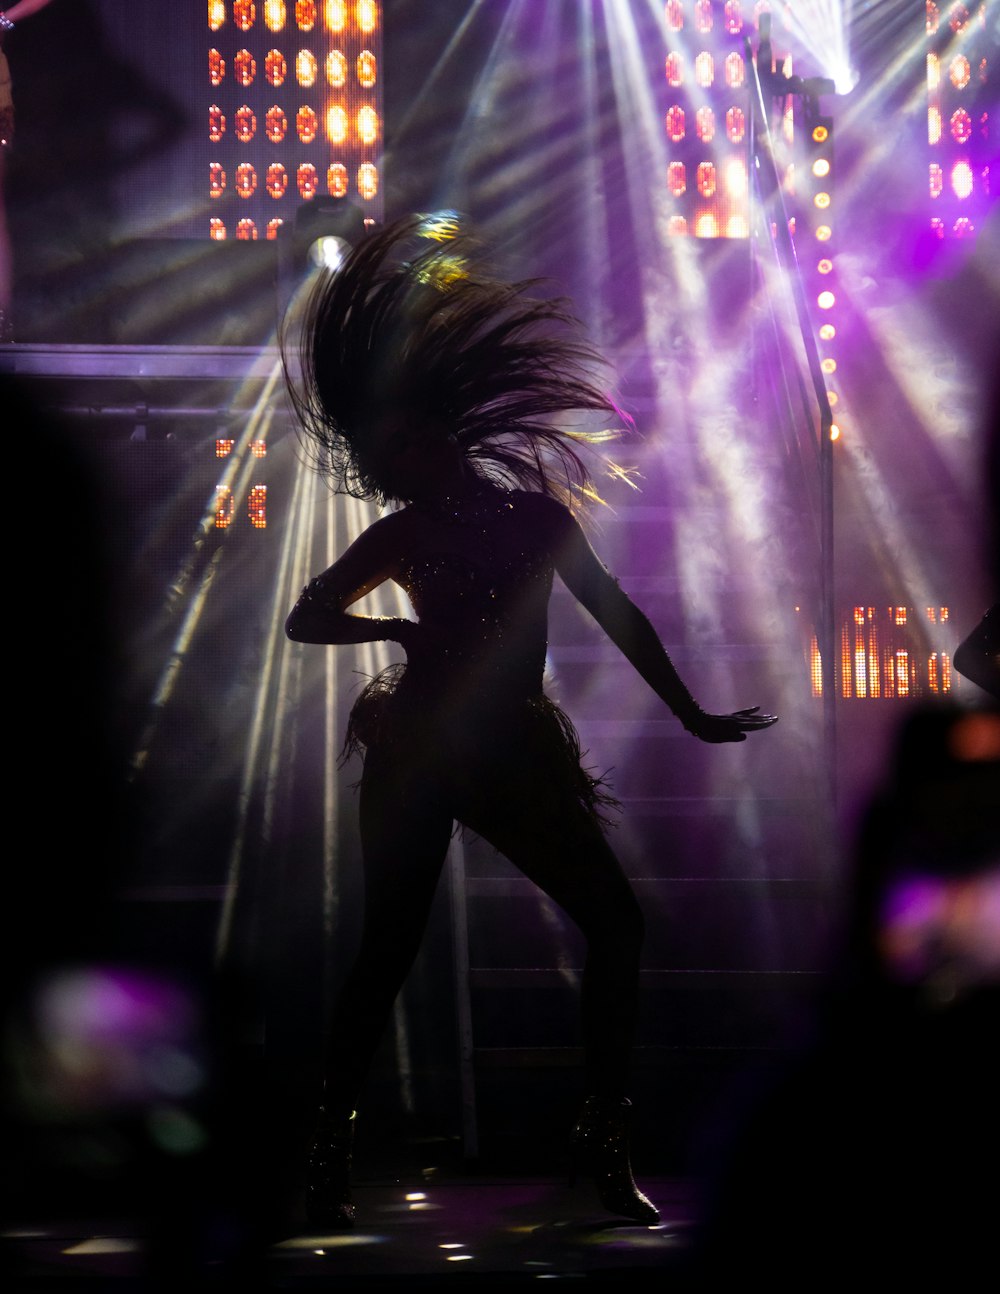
point(435, 338)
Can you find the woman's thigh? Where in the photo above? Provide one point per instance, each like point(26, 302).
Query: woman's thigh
point(541, 826)
point(406, 825)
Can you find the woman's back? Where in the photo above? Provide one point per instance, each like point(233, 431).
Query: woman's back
point(478, 571)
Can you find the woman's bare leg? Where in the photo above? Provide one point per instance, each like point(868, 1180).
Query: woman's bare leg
point(405, 830)
point(555, 842)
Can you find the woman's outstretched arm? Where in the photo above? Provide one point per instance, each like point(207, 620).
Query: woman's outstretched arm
point(595, 588)
point(320, 615)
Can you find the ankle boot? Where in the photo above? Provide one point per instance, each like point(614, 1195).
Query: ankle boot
point(600, 1138)
point(328, 1172)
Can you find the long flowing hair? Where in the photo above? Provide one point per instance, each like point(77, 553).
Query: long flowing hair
point(434, 337)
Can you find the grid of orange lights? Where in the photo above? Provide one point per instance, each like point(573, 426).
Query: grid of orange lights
point(226, 510)
point(888, 653)
point(959, 76)
point(706, 117)
point(294, 109)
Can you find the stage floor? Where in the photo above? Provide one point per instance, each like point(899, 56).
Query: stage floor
point(458, 1234)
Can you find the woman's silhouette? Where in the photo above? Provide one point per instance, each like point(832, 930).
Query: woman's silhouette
point(430, 385)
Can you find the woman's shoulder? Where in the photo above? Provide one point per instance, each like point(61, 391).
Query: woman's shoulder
point(542, 511)
point(536, 504)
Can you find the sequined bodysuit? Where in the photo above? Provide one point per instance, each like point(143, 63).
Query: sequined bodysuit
point(471, 704)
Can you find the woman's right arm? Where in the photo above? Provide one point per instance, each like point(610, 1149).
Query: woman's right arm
point(320, 615)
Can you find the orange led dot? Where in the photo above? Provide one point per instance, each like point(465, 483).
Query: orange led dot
point(246, 124)
point(821, 200)
point(832, 397)
point(366, 12)
point(961, 126)
point(834, 431)
point(275, 67)
point(735, 70)
point(367, 125)
point(275, 124)
point(958, 18)
point(216, 180)
point(674, 69)
point(244, 14)
point(216, 14)
point(933, 17)
point(827, 332)
point(258, 448)
point(336, 124)
point(216, 67)
point(825, 265)
point(367, 180)
point(257, 507)
point(674, 14)
point(705, 123)
point(245, 67)
point(335, 12)
point(704, 69)
point(706, 225)
point(216, 123)
point(306, 124)
point(736, 125)
point(217, 229)
point(677, 227)
point(246, 180)
point(820, 167)
point(366, 69)
point(960, 71)
point(307, 181)
point(736, 177)
point(828, 365)
point(962, 179)
point(933, 125)
point(276, 180)
point(703, 15)
point(677, 178)
point(935, 180)
point(246, 230)
point(933, 71)
point(272, 228)
point(820, 134)
point(706, 179)
point(275, 14)
point(305, 14)
point(737, 227)
point(223, 447)
point(824, 233)
point(733, 17)
point(336, 180)
point(336, 69)
point(306, 67)
point(826, 300)
point(224, 506)
point(675, 124)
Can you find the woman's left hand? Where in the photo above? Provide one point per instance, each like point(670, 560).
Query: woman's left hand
point(718, 728)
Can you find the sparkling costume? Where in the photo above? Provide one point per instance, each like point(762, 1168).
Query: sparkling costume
point(473, 715)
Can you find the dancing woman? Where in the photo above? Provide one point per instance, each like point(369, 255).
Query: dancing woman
point(429, 385)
